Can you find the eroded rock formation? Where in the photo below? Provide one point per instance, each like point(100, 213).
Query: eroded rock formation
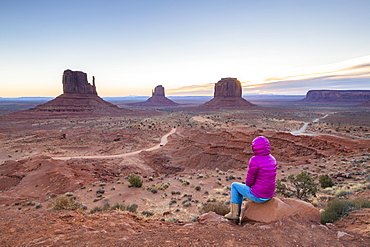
point(158, 99)
point(79, 97)
point(158, 91)
point(228, 87)
point(228, 93)
point(76, 82)
point(337, 96)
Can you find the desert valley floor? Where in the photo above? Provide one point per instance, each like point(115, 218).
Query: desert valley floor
point(206, 151)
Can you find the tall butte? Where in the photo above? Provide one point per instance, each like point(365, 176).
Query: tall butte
point(79, 98)
point(228, 94)
point(158, 99)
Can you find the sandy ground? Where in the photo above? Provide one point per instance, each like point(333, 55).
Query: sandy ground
point(208, 151)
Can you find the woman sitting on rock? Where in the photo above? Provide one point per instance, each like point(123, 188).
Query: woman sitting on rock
point(260, 181)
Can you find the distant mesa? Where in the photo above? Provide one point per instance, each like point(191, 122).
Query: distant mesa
point(228, 93)
point(158, 99)
point(337, 96)
point(79, 96)
point(365, 104)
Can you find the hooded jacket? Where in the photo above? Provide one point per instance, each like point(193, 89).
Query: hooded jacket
point(261, 175)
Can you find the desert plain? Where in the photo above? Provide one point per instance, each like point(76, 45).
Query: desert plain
point(91, 157)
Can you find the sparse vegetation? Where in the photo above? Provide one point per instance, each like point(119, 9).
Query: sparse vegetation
point(64, 203)
point(300, 186)
point(220, 208)
point(118, 206)
point(135, 181)
point(326, 181)
point(338, 209)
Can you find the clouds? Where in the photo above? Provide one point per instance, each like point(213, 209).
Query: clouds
point(352, 74)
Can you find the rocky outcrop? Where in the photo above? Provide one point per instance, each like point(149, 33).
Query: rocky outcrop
point(158, 99)
point(76, 82)
point(79, 97)
point(276, 209)
point(228, 94)
point(337, 96)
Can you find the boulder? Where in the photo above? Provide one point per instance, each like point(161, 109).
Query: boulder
point(211, 217)
point(276, 209)
point(228, 94)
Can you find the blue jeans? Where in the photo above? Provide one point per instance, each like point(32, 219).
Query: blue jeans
point(238, 190)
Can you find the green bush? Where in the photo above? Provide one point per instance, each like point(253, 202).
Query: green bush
point(339, 209)
point(300, 186)
point(64, 203)
point(326, 181)
point(135, 181)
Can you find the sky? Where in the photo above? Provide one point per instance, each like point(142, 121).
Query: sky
point(271, 46)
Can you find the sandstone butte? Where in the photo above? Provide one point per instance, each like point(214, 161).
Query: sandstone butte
point(158, 99)
point(228, 94)
point(337, 96)
point(79, 97)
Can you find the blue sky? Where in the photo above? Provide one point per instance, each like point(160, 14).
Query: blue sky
point(271, 46)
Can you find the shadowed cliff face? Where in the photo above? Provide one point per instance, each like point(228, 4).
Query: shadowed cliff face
point(228, 93)
point(76, 82)
point(228, 87)
point(337, 96)
point(158, 91)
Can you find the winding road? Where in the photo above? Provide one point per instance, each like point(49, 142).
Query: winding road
point(303, 128)
point(162, 143)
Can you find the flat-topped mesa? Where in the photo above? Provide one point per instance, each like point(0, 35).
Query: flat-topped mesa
point(76, 82)
point(337, 96)
point(228, 94)
point(228, 87)
point(158, 91)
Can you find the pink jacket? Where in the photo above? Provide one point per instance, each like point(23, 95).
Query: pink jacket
point(261, 176)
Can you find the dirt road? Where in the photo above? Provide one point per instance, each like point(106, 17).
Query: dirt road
point(162, 143)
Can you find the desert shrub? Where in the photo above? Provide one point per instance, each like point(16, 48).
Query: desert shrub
point(220, 208)
point(135, 181)
point(326, 181)
point(118, 206)
point(64, 202)
point(300, 186)
point(147, 213)
point(339, 209)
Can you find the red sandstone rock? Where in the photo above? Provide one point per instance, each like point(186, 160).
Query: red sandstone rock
point(211, 217)
point(228, 87)
point(228, 93)
point(337, 96)
point(76, 82)
point(158, 99)
point(276, 209)
point(79, 97)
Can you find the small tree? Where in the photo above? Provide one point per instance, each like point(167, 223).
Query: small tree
point(135, 181)
point(326, 181)
point(300, 186)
